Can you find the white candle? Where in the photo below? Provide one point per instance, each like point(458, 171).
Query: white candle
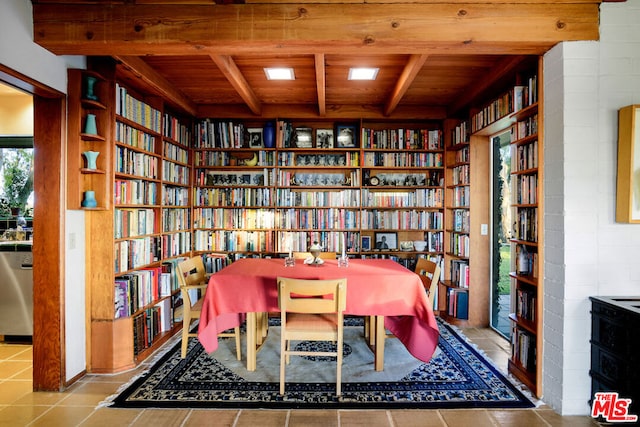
point(344, 246)
point(290, 247)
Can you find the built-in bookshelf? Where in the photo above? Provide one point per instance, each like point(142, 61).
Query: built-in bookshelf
point(518, 110)
point(135, 245)
point(313, 187)
point(526, 144)
point(454, 289)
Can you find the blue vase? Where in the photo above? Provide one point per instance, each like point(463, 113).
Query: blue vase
point(91, 157)
point(89, 200)
point(90, 126)
point(269, 135)
point(90, 83)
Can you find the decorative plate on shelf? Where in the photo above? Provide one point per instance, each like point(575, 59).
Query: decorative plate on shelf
point(374, 180)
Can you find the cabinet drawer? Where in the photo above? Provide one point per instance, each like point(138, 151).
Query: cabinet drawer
point(614, 370)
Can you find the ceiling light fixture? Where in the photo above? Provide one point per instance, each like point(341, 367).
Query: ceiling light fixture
point(363, 73)
point(279, 73)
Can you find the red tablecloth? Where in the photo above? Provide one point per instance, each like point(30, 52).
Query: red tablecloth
point(374, 287)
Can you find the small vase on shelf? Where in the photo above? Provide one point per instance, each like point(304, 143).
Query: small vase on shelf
point(90, 126)
point(91, 157)
point(90, 83)
point(89, 200)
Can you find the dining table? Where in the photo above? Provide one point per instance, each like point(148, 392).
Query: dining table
point(375, 287)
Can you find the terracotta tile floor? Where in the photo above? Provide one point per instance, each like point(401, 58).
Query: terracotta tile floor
point(19, 406)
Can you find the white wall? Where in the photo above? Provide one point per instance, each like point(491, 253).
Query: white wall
point(18, 52)
point(587, 252)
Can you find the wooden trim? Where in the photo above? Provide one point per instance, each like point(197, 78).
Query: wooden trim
point(139, 29)
point(48, 247)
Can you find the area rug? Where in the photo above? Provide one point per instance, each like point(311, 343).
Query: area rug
point(458, 376)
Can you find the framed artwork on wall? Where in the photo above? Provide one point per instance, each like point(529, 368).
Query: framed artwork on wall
point(628, 179)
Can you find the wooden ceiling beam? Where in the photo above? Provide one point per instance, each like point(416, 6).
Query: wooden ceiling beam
point(502, 69)
point(321, 84)
point(237, 80)
point(409, 73)
point(341, 28)
point(150, 77)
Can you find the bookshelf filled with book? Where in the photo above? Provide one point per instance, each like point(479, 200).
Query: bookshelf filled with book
point(346, 194)
point(526, 145)
point(454, 289)
point(146, 230)
point(518, 110)
point(402, 190)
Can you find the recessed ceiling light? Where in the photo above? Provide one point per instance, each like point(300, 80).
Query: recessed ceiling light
point(279, 73)
point(363, 73)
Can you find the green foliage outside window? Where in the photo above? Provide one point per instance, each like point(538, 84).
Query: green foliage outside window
point(17, 175)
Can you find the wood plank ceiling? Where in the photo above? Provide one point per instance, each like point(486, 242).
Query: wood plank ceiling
point(435, 57)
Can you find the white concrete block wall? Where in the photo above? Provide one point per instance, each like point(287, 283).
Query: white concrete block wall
point(596, 255)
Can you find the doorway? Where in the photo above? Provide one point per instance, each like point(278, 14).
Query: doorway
point(49, 119)
point(501, 213)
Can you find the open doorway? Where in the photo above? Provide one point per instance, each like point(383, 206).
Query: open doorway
point(501, 212)
point(49, 120)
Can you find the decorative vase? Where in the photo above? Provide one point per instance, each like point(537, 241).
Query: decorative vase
point(315, 250)
point(269, 135)
point(89, 200)
point(91, 158)
point(90, 83)
point(90, 126)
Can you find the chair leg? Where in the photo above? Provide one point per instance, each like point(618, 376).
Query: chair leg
point(238, 345)
point(282, 363)
point(339, 368)
point(186, 324)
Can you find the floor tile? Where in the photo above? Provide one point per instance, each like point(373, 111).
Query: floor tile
point(255, 417)
point(358, 418)
point(63, 416)
point(108, 417)
point(219, 418)
point(161, 418)
point(468, 417)
point(20, 415)
point(410, 418)
point(314, 418)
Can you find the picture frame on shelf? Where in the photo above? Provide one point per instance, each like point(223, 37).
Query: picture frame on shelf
point(255, 137)
point(365, 244)
point(346, 136)
point(386, 241)
point(304, 137)
point(324, 138)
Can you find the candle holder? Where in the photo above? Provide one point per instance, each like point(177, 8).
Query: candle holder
point(289, 261)
point(343, 261)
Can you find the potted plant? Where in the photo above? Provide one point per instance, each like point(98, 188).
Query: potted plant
point(17, 173)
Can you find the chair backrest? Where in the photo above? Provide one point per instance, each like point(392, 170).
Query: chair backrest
point(312, 296)
point(429, 273)
point(323, 255)
point(191, 272)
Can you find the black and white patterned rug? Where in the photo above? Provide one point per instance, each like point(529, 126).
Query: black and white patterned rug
point(457, 376)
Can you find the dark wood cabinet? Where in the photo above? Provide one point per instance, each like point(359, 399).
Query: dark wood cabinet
point(615, 347)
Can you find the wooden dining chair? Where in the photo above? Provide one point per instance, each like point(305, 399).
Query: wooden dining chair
point(429, 274)
point(192, 277)
point(323, 255)
point(311, 310)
